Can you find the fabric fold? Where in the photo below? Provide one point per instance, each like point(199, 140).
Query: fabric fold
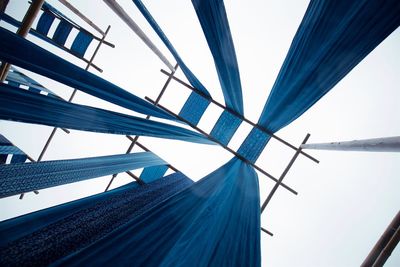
point(24, 106)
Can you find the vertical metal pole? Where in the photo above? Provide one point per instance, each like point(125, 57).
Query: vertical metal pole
point(26, 25)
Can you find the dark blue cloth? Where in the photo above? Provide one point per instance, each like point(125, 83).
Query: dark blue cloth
point(194, 108)
point(333, 37)
point(188, 73)
point(24, 106)
point(44, 23)
point(25, 177)
point(7, 149)
point(225, 127)
point(21, 52)
point(81, 43)
point(215, 222)
point(215, 25)
point(62, 32)
point(42, 237)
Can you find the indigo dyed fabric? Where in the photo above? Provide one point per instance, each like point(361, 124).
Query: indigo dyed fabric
point(7, 149)
point(25, 177)
point(225, 127)
point(188, 73)
point(81, 43)
point(215, 222)
point(194, 108)
point(149, 174)
point(44, 23)
point(21, 52)
point(215, 25)
point(24, 106)
point(333, 37)
point(61, 34)
point(16, 78)
point(253, 145)
point(42, 237)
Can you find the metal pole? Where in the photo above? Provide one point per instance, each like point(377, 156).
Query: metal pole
point(266, 231)
point(266, 131)
point(224, 146)
point(264, 205)
point(26, 25)
point(134, 139)
point(83, 17)
point(385, 245)
point(385, 144)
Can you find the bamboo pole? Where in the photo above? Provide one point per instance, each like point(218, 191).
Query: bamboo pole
point(22, 31)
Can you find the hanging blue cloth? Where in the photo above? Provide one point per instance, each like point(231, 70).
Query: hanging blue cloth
point(25, 106)
point(188, 73)
point(18, 51)
point(42, 237)
point(7, 149)
point(333, 37)
point(215, 25)
point(215, 222)
point(24, 177)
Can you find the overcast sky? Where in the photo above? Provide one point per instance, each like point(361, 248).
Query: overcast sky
point(344, 203)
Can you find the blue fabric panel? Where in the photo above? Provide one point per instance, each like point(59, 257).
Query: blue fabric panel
point(42, 237)
point(225, 128)
point(333, 37)
point(16, 76)
point(194, 108)
point(188, 73)
point(253, 145)
point(81, 43)
point(152, 173)
point(24, 106)
point(61, 34)
point(19, 51)
point(44, 24)
point(215, 222)
point(7, 149)
point(18, 159)
point(25, 177)
point(215, 25)
point(13, 84)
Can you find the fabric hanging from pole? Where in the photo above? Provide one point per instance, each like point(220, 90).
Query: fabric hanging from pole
point(114, 6)
point(42, 237)
point(215, 25)
point(25, 106)
point(215, 222)
point(188, 73)
point(333, 37)
point(25, 177)
point(23, 53)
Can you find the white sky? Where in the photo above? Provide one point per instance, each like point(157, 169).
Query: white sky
point(344, 203)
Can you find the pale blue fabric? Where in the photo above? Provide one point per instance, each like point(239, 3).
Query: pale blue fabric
point(150, 174)
point(24, 177)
